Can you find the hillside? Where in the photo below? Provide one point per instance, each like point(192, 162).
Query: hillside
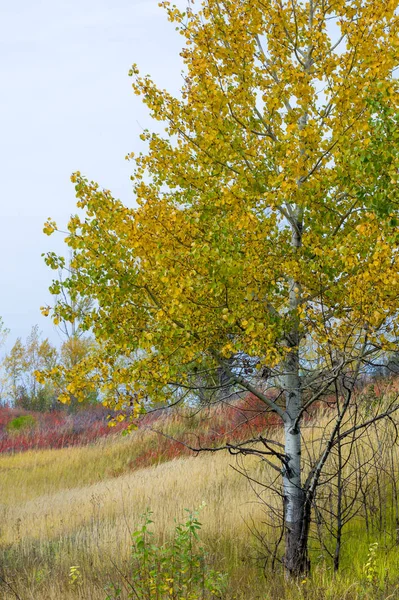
point(77, 506)
point(22, 430)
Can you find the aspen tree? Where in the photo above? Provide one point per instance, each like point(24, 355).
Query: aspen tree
point(265, 236)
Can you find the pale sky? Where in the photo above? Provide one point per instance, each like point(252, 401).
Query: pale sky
point(66, 104)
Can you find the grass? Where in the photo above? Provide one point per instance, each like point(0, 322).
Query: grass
point(52, 524)
point(76, 507)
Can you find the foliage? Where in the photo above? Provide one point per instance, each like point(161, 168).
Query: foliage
point(201, 270)
point(56, 429)
point(22, 422)
point(370, 568)
point(25, 359)
point(21, 431)
point(21, 363)
point(75, 576)
point(176, 570)
point(73, 327)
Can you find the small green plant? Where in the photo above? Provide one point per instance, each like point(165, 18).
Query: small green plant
point(370, 568)
point(175, 571)
point(75, 576)
point(21, 423)
point(40, 576)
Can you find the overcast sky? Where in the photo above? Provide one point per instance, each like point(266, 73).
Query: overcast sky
point(66, 104)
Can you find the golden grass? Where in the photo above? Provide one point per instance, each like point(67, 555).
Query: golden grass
point(65, 507)
point(167, 488)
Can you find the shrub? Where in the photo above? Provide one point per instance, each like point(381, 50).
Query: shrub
point(20, 423)
point(175, 571)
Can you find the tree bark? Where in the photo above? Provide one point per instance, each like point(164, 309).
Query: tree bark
point(296, 504)
point(297, 507)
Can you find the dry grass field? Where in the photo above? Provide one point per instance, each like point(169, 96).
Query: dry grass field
point(61, 508)
point(77, 507)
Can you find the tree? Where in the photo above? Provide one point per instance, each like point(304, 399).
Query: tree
point(75, 307)
point(26, 359)
point(71, 322)
point(21, 363)
point(3, 335)
point(265, 239)
point(14, 365)
point(3, 332)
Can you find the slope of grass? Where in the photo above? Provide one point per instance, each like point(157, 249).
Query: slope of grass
point(54, 523)
point(77, 507)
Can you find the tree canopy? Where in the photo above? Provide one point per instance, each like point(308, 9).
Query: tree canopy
point(287, 119)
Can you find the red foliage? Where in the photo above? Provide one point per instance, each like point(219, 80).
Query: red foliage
point(54, 429)
point(236, 422)
point(215, 426)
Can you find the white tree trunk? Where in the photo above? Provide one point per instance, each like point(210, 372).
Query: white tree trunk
point(295, 517)
point(296, 507)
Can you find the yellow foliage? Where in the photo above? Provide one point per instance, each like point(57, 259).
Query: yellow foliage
point(280, 131)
